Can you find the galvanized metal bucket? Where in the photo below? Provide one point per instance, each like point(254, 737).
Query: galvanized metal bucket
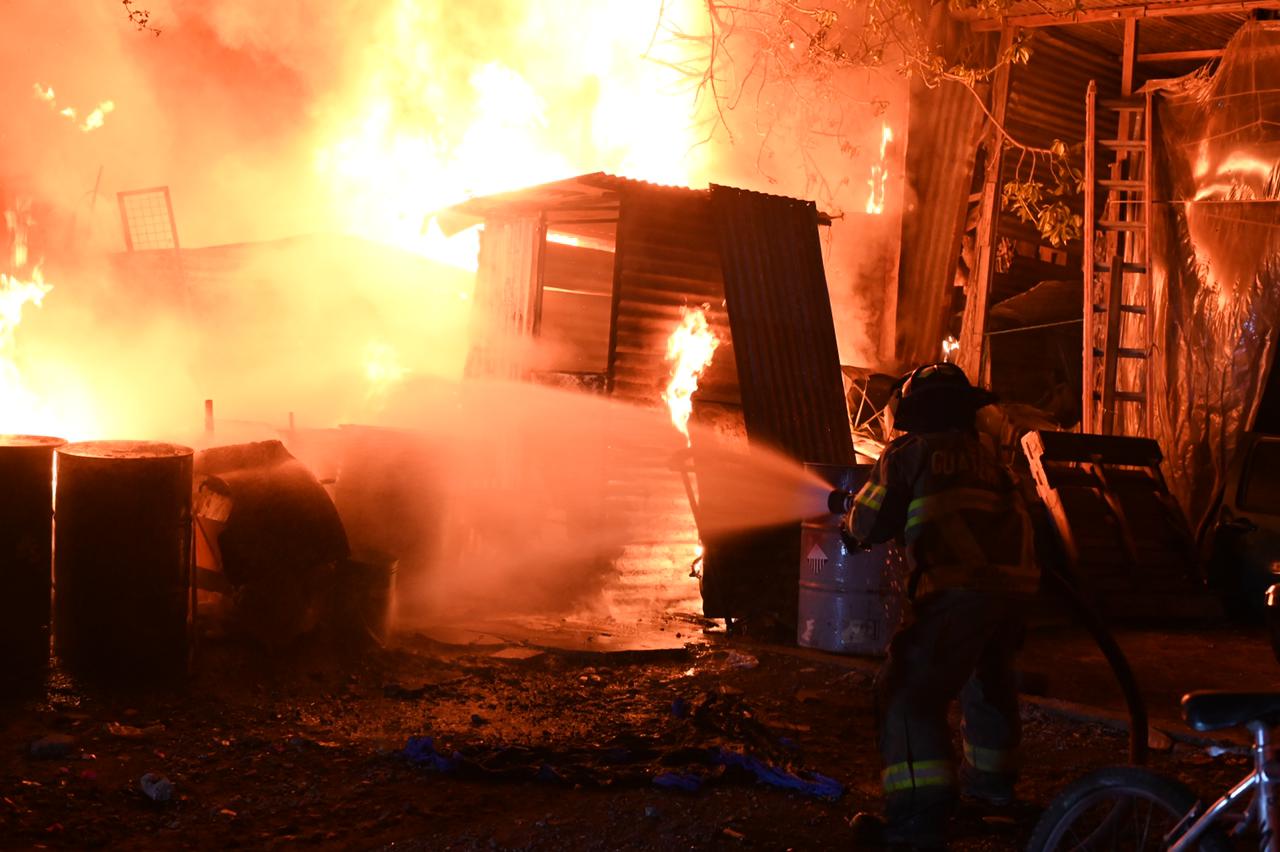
point(851, 601)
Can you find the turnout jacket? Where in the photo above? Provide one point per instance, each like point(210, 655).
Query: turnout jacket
point(956, 507)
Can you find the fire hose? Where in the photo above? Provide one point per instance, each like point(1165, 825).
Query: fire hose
point(1058, 582)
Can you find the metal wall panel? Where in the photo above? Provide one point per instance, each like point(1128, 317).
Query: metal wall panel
point(945, 124)
point(780, 315)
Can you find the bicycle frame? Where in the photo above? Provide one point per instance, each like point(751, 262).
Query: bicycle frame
point(1264, 777)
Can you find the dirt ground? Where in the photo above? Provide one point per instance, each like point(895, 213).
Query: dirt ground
point(559, 749)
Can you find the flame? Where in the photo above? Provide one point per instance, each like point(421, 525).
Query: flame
point(868, 447)
point(423, 126)
point(879, 173)
point(382, 368)
point(95, 119)
point(16, 402)
point(950, 346)
point(690, 348)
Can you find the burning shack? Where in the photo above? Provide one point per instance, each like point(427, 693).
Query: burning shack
point(586, 281)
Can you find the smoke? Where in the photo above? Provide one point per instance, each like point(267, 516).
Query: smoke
point(513, 497)
point(811, 129)
point(351, 121)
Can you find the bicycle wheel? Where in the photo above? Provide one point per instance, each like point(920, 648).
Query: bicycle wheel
point(1120, 807)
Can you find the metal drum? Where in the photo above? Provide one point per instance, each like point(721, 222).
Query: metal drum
point(850, 601)
point(26, 557)
point(122, 559)
point(391, 500)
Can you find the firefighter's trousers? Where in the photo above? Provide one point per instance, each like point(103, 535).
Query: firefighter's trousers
point(956, 643)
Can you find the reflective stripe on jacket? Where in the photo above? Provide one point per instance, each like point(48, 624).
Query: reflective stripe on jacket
point(957, 508)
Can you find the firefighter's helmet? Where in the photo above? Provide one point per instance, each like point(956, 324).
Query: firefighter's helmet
point(936, 397)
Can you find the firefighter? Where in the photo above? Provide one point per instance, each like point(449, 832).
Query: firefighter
point(942, 490)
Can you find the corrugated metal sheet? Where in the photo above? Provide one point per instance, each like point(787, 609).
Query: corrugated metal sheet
point(1162, 35)
point(945, 124)
point(1046, 96)
point(667, 259)
point(780, 315)
point(790, 383)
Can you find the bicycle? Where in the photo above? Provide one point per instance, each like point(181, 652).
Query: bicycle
point(1131, 808)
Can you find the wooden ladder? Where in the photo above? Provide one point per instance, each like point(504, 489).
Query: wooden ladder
point(1117, 260)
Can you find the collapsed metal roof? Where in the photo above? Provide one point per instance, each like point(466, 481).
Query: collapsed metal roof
point(594, 192)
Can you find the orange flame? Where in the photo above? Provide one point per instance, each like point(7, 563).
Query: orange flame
point(382, 368)
point(17, 403)
point(691, 348)
point(421, 126)
point(950, 346)
point(879, 173)
point(95, 119)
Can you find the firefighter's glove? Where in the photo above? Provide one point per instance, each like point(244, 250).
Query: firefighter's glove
point(850, 541)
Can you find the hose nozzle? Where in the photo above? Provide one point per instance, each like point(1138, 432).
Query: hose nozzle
point(840, 502)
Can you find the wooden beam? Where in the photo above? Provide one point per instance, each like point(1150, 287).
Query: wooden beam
point(1088, 406)
point(1179, 55)
point(1126, 60)
point(1148, 203)
point(1165, 9)
point(973, 326)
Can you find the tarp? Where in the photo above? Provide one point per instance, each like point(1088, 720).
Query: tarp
point(1215, 274)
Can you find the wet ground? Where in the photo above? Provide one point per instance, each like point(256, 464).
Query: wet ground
point(554, 749)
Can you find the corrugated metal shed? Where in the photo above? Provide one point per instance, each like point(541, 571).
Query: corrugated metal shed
point(755, 261)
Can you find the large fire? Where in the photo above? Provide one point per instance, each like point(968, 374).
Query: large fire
point(589, 87)
point(426, 109)
point(690, 349)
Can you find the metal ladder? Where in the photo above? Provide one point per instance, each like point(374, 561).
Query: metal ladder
point(1117, 260)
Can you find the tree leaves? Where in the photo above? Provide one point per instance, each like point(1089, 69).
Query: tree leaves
point(1046, 206)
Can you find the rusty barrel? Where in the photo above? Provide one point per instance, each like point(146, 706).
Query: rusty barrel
point(26, 554)
point(122, 559)
point(851, 601)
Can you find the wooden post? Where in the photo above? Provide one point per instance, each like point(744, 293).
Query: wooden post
point(1130, 52)
point(1148, 207)
point(973, 326)
point(1090, 177)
